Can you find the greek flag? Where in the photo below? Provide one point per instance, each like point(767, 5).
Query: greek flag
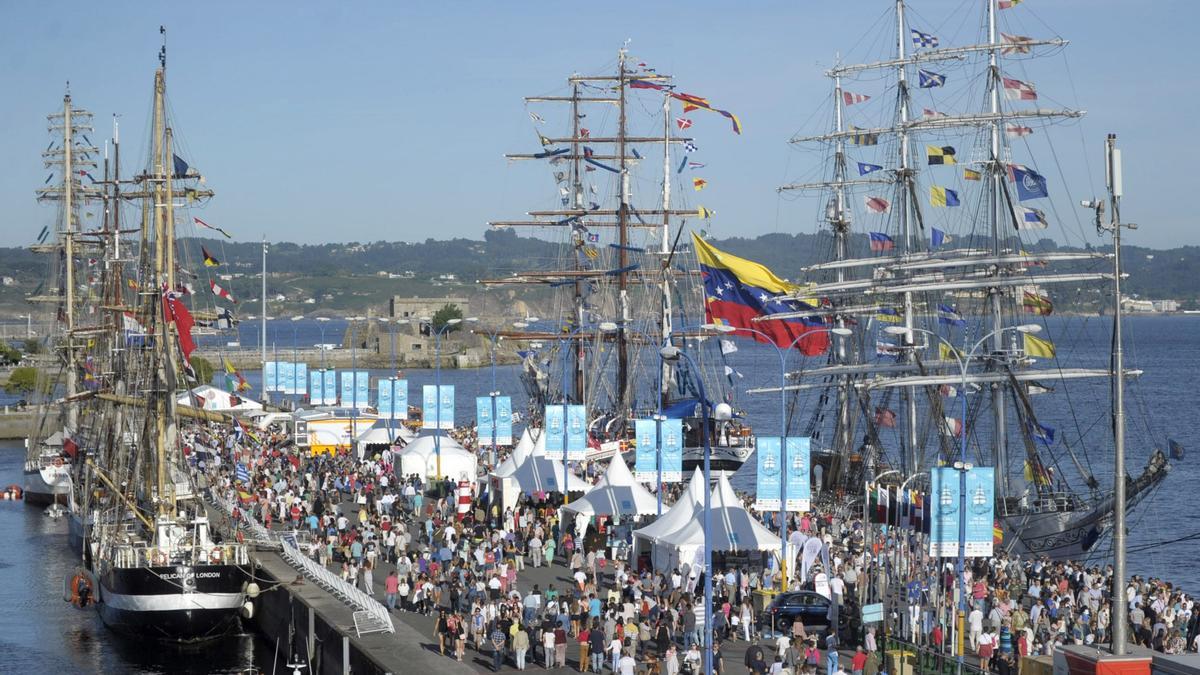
point(923, 39)
point(242, 473)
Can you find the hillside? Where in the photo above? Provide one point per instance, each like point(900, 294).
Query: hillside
point(352, 277)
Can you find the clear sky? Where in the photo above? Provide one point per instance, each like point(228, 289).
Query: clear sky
point(363, 121)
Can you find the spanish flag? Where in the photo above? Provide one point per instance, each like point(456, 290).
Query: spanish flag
point(1035, 346)
point(736, 291)
point(997, 533)
point(971, 174)
point(1037, 303)
point(209, 260)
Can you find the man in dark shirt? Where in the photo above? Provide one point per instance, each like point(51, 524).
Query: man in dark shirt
point(596, 645)
point(754, 654)
point(497, 639)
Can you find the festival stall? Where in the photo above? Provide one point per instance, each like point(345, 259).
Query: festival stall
point(536, 474)
point(421, 457)
point(615, 494)
point(378, 438)
point(676, 517)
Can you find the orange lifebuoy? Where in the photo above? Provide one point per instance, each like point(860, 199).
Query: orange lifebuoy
point(79, 598)
point(58, 462)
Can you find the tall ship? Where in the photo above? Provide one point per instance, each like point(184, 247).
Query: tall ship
point(622, 284)
point(937, 185)
point(159, 570)
point(66, 300)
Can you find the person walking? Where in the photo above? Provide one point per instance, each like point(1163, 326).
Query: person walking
point(521, 645)
point(497, 640)
point(831, 653)
point(391, 586)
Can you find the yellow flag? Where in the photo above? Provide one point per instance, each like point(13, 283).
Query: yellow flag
point(946, 352)
point(1035, 346)
point(229, 367)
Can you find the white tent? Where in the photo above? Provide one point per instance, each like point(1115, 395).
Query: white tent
point(217, 400)
point(733, 529)
point(680, 514)
point(521, 450)
point(615, 494)
point(421, 457)
point(379, 435)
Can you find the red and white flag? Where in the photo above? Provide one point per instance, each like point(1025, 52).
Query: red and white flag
point(1017, 131)
point(954, 426)
point(1015, 44)
point(221, 292)
point(584, 133)
point(851, 98)
point(1017, 90)
point(877, 204)
point(683, 122)
point(930, 114)
point(1008, 4)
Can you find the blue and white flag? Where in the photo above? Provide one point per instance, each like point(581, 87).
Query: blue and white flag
point(864, 168)
point(927, 79)
point(689, 147)
point(1030, 184)
point(1030, 219)
point(947, 315)
point(937, 237)
point(923, 39)
point(1041, 433)
point(242, 473)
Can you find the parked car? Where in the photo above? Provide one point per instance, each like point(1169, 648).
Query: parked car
point(813, 610)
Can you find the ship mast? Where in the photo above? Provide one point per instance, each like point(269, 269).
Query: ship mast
point(905, 190)
point(996, 294)
point(665, 250)
point(622, 401)
point(839, 221)
point(577, 349)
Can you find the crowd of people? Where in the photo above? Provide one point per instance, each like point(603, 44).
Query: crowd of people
point(405, 533)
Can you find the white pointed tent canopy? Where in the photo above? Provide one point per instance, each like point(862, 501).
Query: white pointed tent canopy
point(615, 494)
point(421, 457)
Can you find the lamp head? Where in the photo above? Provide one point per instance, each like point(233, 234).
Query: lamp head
point(670, 353)
point(453, 322)
point(471, 319)
point(608, 326)
point(722, 411)
point(718, 327)
point(842, 331)
point(1030, 328)
point(895, 330)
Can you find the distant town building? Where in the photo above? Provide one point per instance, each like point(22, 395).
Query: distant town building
point(414, 308)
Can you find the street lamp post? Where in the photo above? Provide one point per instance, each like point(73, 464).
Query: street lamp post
point(962, 466)
point(783, 353)
point(494, 336)
point(295, 359)
point(670, 353)
point(353, 377)
point(323, 320)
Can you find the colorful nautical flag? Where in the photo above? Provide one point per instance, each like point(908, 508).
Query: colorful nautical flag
point(689, 147)
point(942, 196)
point(1030, 219)
point(881, 242)
point(865, 168)
point(927, 79)
point(887, 349)
point(221, 292)
point(1036, 346)
point(1008, 4)
point(737, 291)
point(885, 418)
point(1040, 432)
point(1017, 90)
point(997, 533)
point(695, 165)
point(699, 184)
point(948, 390)
point(850, 98)
point(972, 174)
point(728, 347)
point(876, 204)
point(1037, 303)
point(696, 102)
point(954, 426)
point(923, 39)
point(683, 123)
point(584, 132)
point(1036, 472)
point(201, 223)
point(930, 113)
point(947, 353)
point(861, 137)
point(1015, 44)
point(593, 237)
point(1017, 131)
point(176, 312)
point(702, 212)
point(948, 316)
point(940, 155)
point(937, 237)
point(1030, 184)
point(536, 117)
point(209, 260)
point(647, 84)
point(888, 315)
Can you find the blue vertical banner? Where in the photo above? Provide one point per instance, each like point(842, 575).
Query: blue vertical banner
point(576, 433)
point(504, 426)
point(946, 511)
point(769, 453)
point(316, 385)
point(330, 388)
point(483, 420)
point(270, 376)
point(283, 377)
point(301, 378)
point(429, 406)
point(645, 466)
point(392, 394)
point(556, 431)
point(362, 389)
point(672, 450)
point(347, 389)
point(446, 405)
point(799, 485)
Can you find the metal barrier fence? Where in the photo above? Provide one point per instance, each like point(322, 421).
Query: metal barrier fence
point(371, 616)
point(918, 660)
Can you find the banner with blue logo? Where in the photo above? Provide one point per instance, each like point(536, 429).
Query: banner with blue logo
point(576, 433)
point(770, 467)
point(299, 378)
point(556, 432)
point(437, 408)
point(285, 371)
point(501, 425)
point(393, 398)
point(271, 376)
point(355, 389)
point(946, 512)
point(330, 388)
point(316, 388)
point(645, 466)
point(672, 450)
point(799, 486)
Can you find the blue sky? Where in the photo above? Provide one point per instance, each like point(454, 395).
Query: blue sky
point(388, 121)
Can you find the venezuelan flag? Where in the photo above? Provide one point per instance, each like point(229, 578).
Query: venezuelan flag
point(736, 291)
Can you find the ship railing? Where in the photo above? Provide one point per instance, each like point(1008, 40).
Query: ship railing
point(129, 557)
point(258, 534)
point(370, 616)
point(1046, 502)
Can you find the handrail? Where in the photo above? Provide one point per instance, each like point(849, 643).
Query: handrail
point(331, 582)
